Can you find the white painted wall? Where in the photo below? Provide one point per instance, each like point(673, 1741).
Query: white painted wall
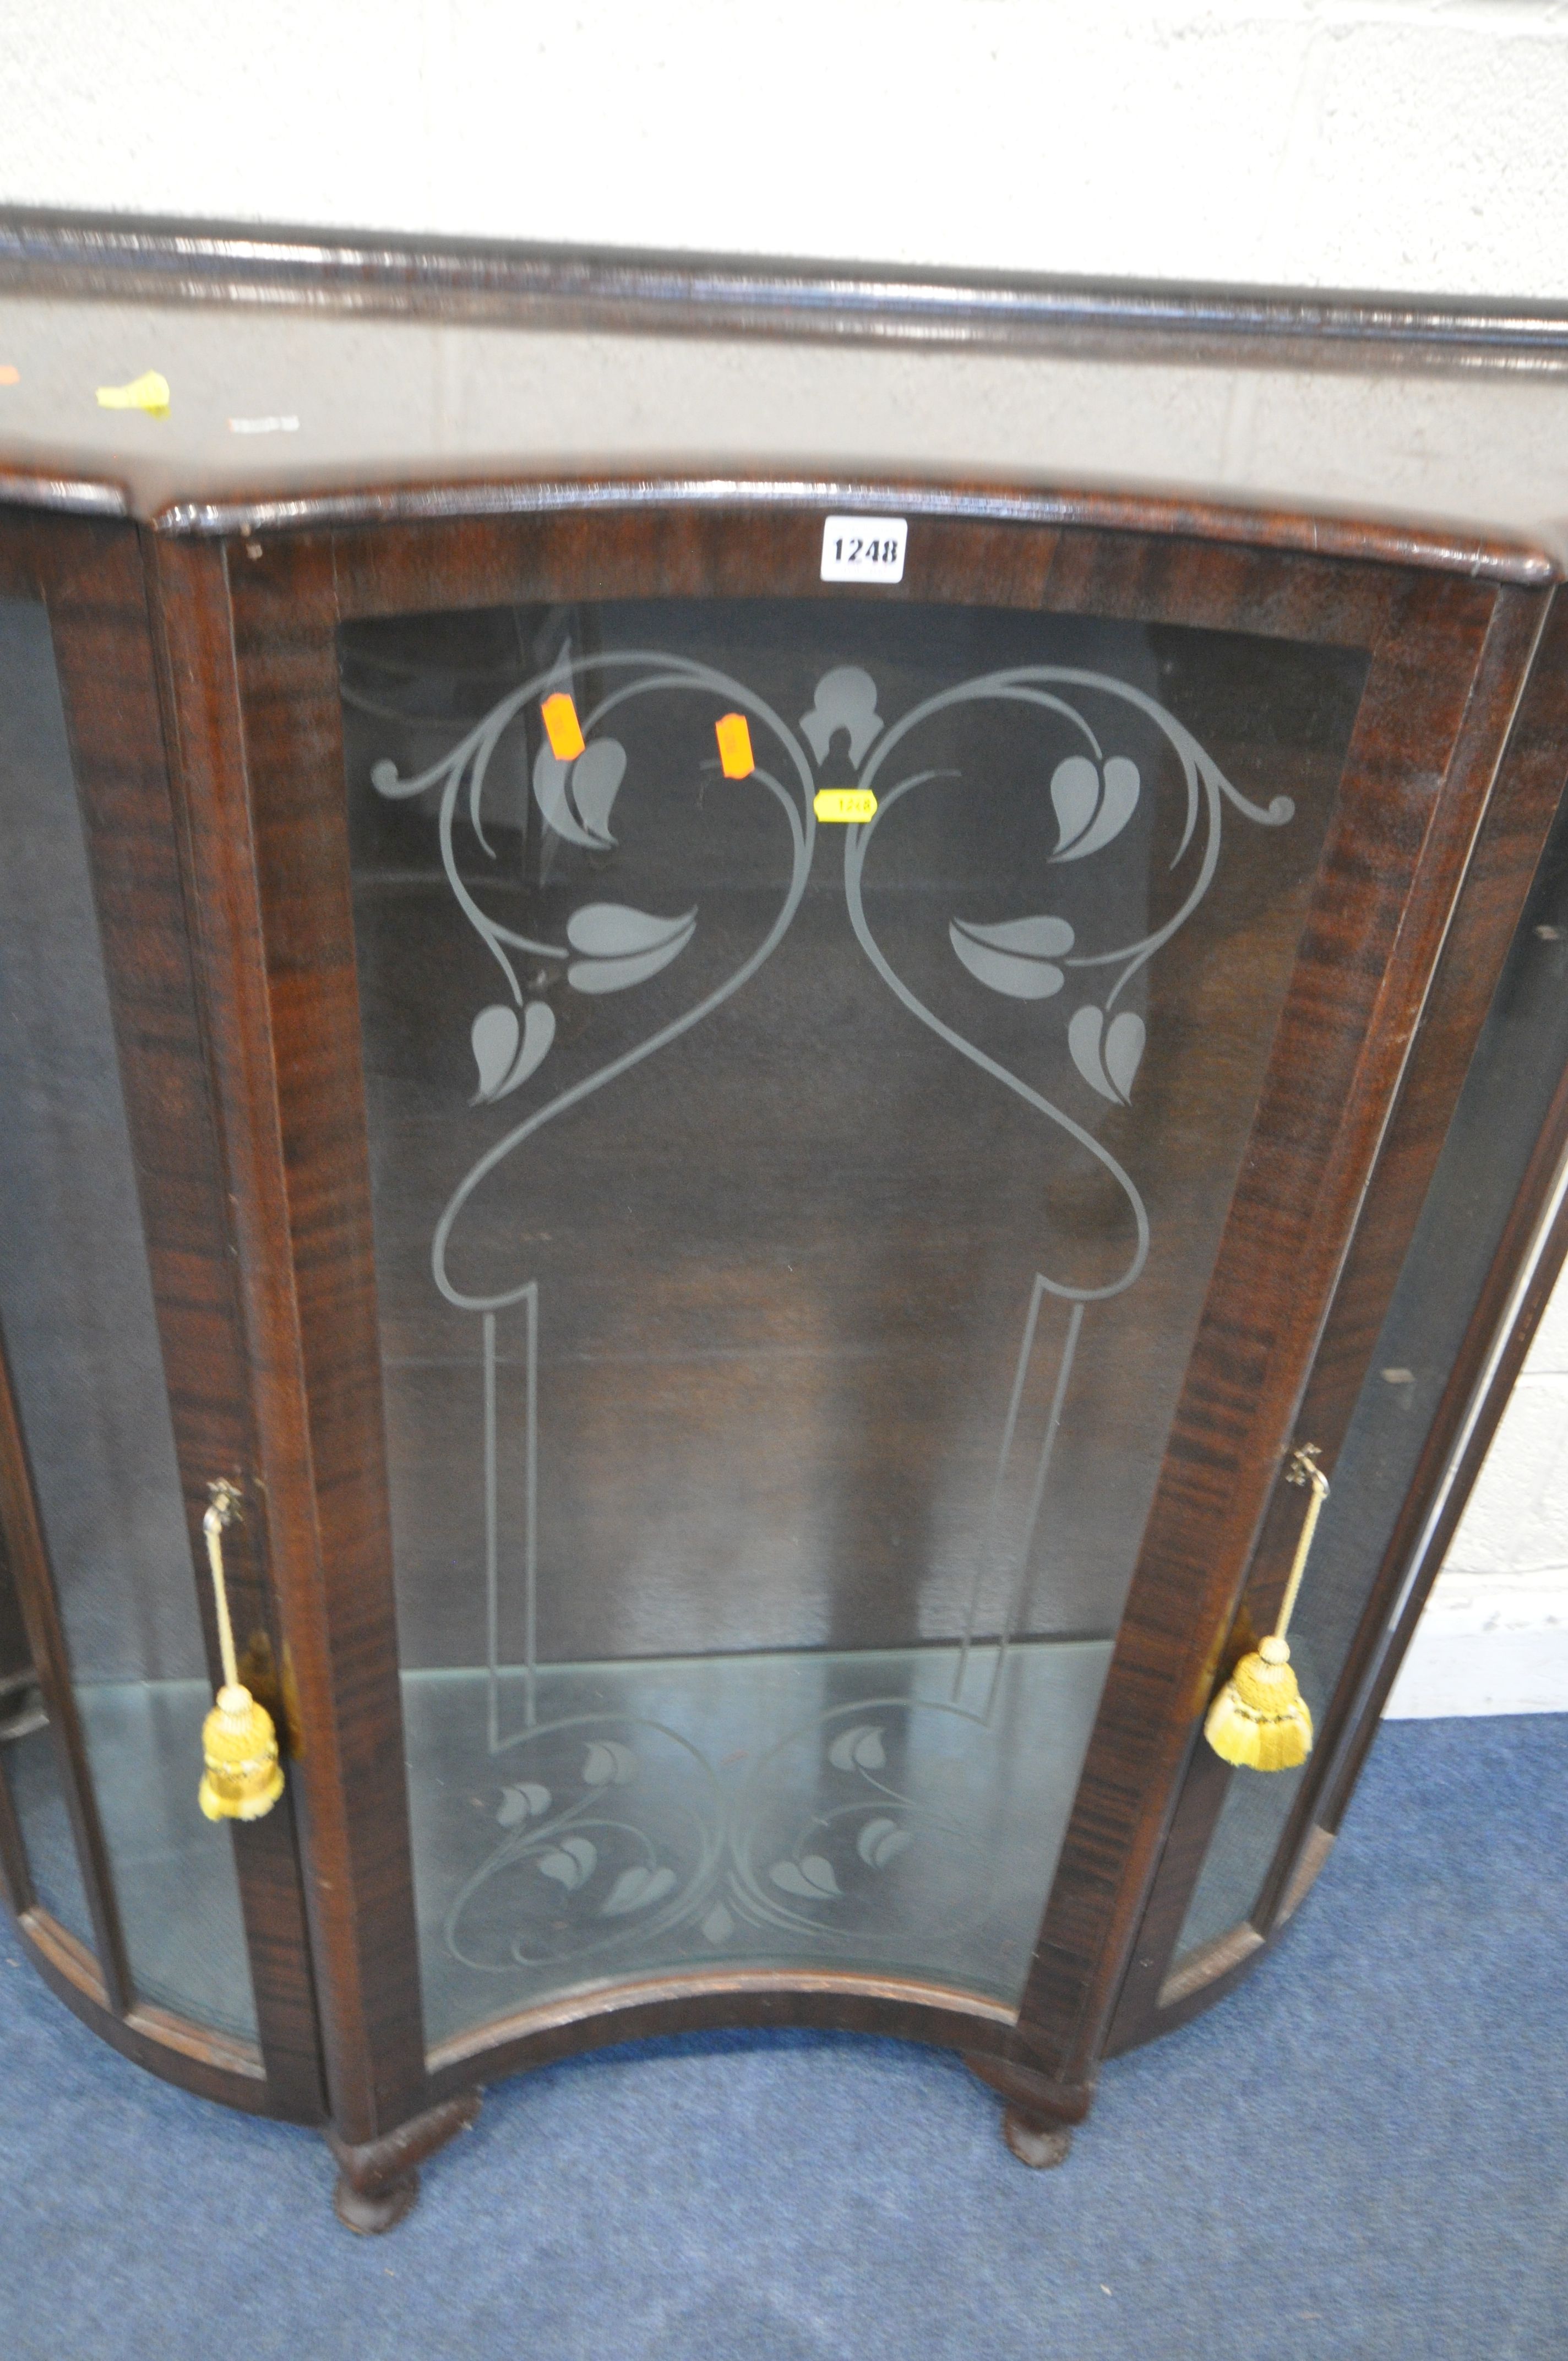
point(1407, 145)
point(1495, 1635)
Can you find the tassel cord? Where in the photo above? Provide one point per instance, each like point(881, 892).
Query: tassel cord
point(222, 1513)
point(1303, 1470)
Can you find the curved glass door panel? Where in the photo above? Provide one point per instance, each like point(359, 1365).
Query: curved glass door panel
point(793, 1806)
point(791, 1235)
point(30, 1773)
point(27, 1766)
point(1516, 1070)
point(76, 1311)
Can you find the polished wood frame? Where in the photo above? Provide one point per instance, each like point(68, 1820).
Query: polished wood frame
point(122, 257)
point(198, 667)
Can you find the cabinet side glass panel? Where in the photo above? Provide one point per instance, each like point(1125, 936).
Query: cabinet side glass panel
point(28, 1766)
point(32, 1775)
point(1518, 1065)
point(791, 1231)
point(77, 1313)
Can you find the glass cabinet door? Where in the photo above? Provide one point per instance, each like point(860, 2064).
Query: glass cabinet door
point(809, 1047)
point(123, 1390)
point(1427, 1343)
point(91, 1400)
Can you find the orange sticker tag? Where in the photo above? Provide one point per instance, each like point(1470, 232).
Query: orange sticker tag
point(562, 727)
point(844, 804)
point(734, 746)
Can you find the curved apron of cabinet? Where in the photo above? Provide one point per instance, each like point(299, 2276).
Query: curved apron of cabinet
point(752, 1122)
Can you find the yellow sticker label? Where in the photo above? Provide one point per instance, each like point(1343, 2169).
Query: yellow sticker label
point(844, 803)
point(149, 393)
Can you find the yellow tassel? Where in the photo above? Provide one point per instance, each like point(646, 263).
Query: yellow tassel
point(244, 1778)
point(1260, 1720)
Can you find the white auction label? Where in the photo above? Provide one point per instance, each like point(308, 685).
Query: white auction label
point(864, 549)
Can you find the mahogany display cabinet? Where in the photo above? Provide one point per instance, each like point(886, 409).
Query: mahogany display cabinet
point(751, 1118)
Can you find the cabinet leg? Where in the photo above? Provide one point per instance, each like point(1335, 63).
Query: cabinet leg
point(378, 2181)
point(369, 2215)
point(1036, 2143)
point(1038, 2122)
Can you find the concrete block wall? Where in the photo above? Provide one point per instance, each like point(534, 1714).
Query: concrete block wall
point(1395, 144)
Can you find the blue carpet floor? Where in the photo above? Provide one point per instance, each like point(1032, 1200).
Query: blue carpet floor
point(1363, 2152)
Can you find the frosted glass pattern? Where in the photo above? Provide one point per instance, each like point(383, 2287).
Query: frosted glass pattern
point(790, 1239)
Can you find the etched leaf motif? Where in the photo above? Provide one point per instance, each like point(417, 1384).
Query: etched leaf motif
point(528, 1801)
point(1083, 1032)
point(1040, 937)
point(1116, 800)
point(622, 946)
point(608, 1764)
point(1014, 956)
point(1107, 1057)
point(550, 776)
point(881, 1840)
point(597, 775)
point(571, 1863)
point(636, 1889)
point(719, 1925)
point(812, 1877)
point(1123, 1049)
point(861, 1748)
point(1075, 792)
point(538, 1032)
point(612, 930)
point(502, 1059)
point(846, 699)
point(617, 975)
point(495, 1038)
